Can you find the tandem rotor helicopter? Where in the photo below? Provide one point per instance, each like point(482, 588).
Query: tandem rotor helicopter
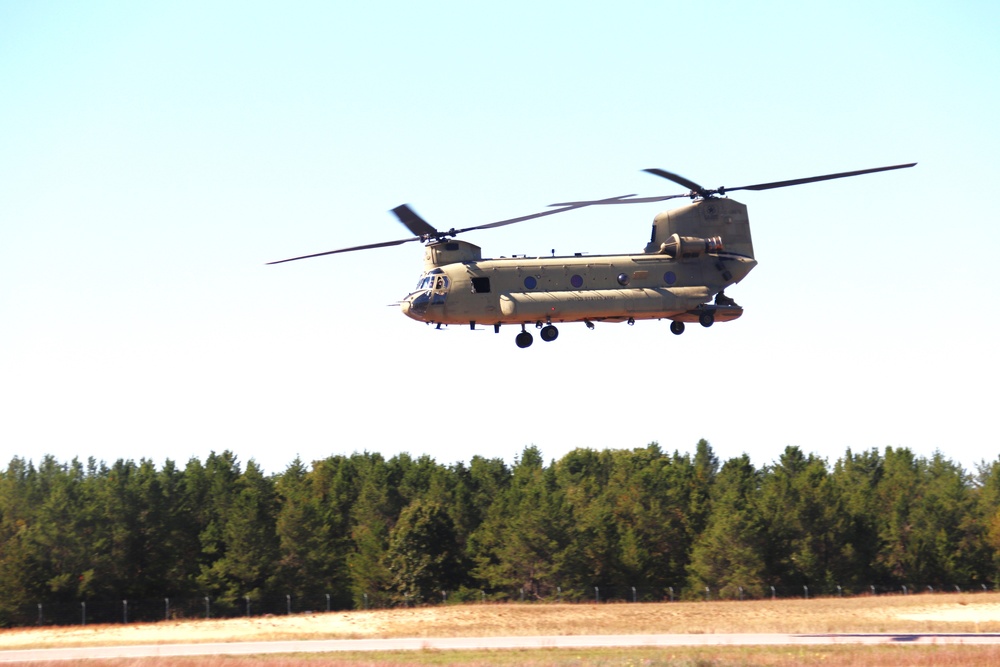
point(694, 254)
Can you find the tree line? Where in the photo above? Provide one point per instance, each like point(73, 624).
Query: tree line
point(378, 532)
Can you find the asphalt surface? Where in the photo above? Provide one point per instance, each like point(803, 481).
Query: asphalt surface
point(474, 643)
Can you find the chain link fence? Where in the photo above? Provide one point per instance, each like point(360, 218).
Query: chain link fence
point(93, 612)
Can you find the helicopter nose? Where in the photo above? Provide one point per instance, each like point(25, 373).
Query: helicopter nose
point(415, 305)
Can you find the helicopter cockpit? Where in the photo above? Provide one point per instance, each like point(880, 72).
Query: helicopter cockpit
point(431, 290)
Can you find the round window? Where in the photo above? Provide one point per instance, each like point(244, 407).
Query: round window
point(670, 277)
point(576, 281)
point(530, 282)
point(623, 279)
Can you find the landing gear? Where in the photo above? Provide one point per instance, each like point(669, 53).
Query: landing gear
point(707, 318)
point(676, 328)
point(549, 333)
point(523, 339)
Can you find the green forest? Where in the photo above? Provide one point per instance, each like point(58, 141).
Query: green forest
point(367, 531)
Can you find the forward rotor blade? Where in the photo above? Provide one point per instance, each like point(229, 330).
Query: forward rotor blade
point(369, 246)
point(425, 231)
point(813, 179)
point(414, 222)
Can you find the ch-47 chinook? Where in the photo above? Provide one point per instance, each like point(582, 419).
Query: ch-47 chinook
point(695, 253)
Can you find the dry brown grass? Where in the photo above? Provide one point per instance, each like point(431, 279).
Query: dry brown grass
point(948, 613)
point(834, 656)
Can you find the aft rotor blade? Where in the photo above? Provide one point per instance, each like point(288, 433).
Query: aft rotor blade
point(627, 199)
point(813, 179)
point(679, 180)
point(384, 244)
point(563, 208)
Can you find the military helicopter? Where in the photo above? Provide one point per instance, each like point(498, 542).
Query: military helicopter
point(694, 254)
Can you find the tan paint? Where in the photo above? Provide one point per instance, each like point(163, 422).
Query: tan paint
point(684, 247)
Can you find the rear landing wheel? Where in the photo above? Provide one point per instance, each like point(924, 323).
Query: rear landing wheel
point(523, 340)
point(676, 328)
point(707, 318)
point(549, 333)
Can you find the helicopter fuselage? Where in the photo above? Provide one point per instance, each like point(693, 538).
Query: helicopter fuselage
point(675, 278)
point(522, 290)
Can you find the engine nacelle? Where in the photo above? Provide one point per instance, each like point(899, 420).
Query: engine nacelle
point(689, 247)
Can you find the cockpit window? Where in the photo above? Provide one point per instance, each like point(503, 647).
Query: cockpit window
point(433, 282)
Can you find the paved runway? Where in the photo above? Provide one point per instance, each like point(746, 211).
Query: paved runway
point(473, 643)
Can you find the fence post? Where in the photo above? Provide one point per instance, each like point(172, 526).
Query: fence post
point(366, 599)
point(873, 590)
point(957, 589)
point(597, 594)
point(125, 611)
point(633, 595)
point(482, 596)
point(904, 590)
point(39, 613)
point(774, 594)
point(707, 593)
point(83, 613)
point(288, 600)
point(247, 598)
point(740, 589)
point(558, 593)
point(166, 609)
point(522, 594)
point(328, 602)
point(208, 613)
point(805, 591)
point(671, 589)
point(444, 597)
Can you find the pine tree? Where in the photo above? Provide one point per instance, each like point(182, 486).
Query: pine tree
point(423, 554)
point(729, 554)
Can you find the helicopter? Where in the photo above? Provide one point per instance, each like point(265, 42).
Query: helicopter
point(694, 254)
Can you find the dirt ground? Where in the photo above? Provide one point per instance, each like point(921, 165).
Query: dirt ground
point(893, 614)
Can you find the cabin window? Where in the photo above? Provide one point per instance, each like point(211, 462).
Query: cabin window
point(623, 279)
point(576, 281)
point(530, 282)
point(481, 285)
point(670, 277)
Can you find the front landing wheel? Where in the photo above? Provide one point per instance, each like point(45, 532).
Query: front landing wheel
point(676, 328)
point(549, 333)
point(523, 340)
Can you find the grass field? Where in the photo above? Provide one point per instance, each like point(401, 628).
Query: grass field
point(941, 613)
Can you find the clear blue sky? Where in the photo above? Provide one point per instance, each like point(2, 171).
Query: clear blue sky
point(155, 155)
